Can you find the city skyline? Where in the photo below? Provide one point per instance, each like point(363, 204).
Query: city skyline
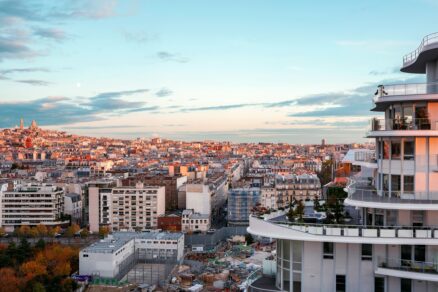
point(243, 72)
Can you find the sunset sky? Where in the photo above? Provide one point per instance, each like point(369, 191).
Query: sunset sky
point(245, 71)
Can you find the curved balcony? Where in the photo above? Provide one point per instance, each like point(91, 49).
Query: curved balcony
point(385, 95)
point(257, 282)
point(362, 194)
point(403, 127)
point(343, 233)
point(416, 270)
point(414, 62)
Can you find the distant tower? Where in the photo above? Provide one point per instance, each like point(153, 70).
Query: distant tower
point(21, 124)
point(33, 125)
point(323, 142)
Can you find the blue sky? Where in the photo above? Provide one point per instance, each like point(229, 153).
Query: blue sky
point(245, 71)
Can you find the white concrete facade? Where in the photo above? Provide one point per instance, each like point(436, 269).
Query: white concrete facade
point(110, 257)
point(393, 245)
point(31, 204)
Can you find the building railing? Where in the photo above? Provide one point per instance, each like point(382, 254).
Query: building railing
point(370, 231)
point(364, 191)
point(427, 40)
point(382, 124)
point(408, 265)
point(365, 156)
point(404, 89)
point(254, 276)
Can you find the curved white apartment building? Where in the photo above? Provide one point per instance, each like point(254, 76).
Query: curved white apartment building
point(393, 246)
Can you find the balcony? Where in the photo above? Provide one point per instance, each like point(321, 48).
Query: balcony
point(422, 271)
point(283, 229)
point(402, 127)
point(363, 194)
point(414, 62)
point(257, 282)
point(381, 124)
point(386, 91)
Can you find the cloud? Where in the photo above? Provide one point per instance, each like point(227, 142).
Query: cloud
point(61, 110)
point(20, 22)
point(34, 82)
point(16, 46)
point(23, 70)
point(101, 127)
point(4, 75)
point(51, 33)
point(138, 37)
point(217, 108)
point(356, 102)
point(393, 70)
point(163, 92)
point(170, 57)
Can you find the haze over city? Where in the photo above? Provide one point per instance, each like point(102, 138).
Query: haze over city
point(270, 71)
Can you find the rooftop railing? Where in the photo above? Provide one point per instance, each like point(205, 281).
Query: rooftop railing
point(370, 231)
point(408, 265)
point(382, 124)
point(427, 40)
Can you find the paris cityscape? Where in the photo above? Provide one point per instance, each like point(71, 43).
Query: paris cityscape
point(218, 146)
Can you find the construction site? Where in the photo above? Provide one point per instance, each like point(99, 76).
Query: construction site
point(225, 269)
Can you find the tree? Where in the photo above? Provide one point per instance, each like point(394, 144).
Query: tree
point(316, 204)
point(33, 232)
point(249, 239)
point(85, 233)
point(9, 281)
point(41, 244)
point(2, 232)
point(53, 231)
point(72, 230)
point(299, 210)
point(32, 269)
point(290, 214)
point(42, 230)
point(24, 251)
point(326, 173)
point(23, 231)
point(103, 231)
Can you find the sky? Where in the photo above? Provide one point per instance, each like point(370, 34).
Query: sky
point(234, 70)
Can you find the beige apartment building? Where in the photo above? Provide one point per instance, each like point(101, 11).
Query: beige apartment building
point(284, 189)
point(132, 208)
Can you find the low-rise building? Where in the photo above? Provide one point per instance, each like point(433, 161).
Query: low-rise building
point(192, 221)
point(171, 222)
point(113, 256)
point(73, 207)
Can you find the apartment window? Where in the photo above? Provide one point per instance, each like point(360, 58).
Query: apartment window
point(395, 183)
point(395, 150)
point(379, 284)
point(408, 183)
point(420, 253)
point(85, 255)
point(405, 285)
point(367, 252)
point(385, 183)
point(409, 150)
point(340, 283)
point(328, 250)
